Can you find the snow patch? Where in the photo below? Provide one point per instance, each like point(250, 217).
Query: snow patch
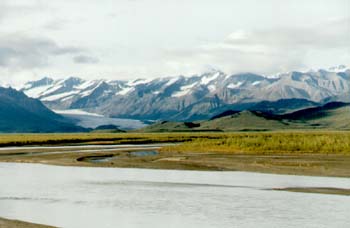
point(234, 85)
point(256, 83)
point(87, 92)
point(52, 89)
point(76, 112)
point(172, 81)
point(59, 96)
point(138, 82)
point(207, 79)
point(184, 90)
point(67, 98)
point(90, 91)
point(36, 92)
point(125, 91)
point(85, 85)
point(212, 88)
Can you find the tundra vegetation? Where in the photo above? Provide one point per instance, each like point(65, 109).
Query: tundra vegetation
point(283, 142)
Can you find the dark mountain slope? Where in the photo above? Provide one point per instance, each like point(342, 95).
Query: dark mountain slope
point(315, 112)
point(283, 105)
point(18, 113)
point(334, 115)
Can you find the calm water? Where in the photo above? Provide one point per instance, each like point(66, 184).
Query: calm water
point(107, 197)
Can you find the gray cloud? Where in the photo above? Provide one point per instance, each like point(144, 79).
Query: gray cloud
point(191, 36)
point(18, 51)
point(85, 59)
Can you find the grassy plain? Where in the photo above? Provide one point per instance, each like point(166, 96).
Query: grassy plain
point(271, 143)
point(283, 142)
point(99, 138)
point(300, 153)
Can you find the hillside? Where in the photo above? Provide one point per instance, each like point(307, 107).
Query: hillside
point(239, 121)
point(166, 126)
point(244, 121)
point(18, 113)
point(332, 116)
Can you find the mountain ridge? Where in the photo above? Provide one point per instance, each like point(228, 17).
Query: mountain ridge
point(331, 116)
point(188, 98)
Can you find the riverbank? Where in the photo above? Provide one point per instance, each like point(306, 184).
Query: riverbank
point(312, 153)
point(7, 223)
point(156, 157)
point(333, 191)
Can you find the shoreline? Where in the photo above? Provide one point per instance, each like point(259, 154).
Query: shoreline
point(296, 164)
point(10, 223)
point(318, 190)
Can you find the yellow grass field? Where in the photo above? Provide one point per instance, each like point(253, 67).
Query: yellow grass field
point(271, 143)
point(251, 142)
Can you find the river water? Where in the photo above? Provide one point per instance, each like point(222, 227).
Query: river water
point(113, 197)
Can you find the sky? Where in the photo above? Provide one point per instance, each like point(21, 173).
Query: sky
point(129, 39)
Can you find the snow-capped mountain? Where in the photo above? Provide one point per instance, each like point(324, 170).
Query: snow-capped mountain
point(187, 97)
point(63, 93)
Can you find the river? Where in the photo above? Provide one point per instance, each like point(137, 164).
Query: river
point(115, 197)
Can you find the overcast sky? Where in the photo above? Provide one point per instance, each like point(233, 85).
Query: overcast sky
point(127, 39)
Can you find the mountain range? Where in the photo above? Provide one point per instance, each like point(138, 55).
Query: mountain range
point(196, 97)
point(19, 113)
point(295, 100)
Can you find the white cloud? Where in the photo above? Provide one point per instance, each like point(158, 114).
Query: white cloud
point(134, 39)
point(273, 50)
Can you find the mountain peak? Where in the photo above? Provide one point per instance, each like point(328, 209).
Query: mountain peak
point(340, 68)
point(73, 81)
point(42, 82)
